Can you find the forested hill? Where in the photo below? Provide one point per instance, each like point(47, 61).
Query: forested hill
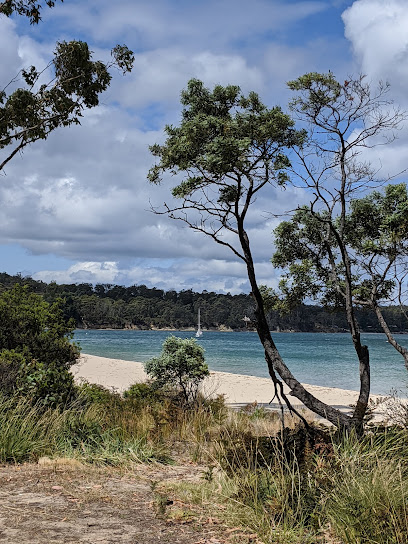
point(140, 307)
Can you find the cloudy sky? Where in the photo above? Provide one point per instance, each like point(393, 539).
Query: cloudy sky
point(75, 208)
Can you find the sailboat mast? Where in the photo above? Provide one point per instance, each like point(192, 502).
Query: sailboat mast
point(199, 331)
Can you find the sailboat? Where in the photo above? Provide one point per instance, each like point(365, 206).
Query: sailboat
point(199, 331)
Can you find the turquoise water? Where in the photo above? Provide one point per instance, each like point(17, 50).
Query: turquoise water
point(314, 358)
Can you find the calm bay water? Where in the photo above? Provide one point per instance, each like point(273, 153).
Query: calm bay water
point(326, 359)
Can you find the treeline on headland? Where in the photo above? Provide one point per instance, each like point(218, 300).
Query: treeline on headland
point(140, 307)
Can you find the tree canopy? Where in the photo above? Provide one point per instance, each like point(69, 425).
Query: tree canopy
point(228, 147)
point(54, 96)
point(375, 237)
point(41, 99)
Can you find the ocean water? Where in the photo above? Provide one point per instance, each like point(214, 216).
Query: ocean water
point(326, 359)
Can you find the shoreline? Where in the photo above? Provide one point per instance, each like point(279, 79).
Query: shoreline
point(239, 390)
point(227, 329)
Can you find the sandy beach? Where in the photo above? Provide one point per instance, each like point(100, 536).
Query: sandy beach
point(239, 390)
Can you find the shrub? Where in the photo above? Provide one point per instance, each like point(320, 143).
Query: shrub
point(47, 385)
point(144, 393)
point(35, 348)
point(181, 365)
point(92, 393)
point(11, 363)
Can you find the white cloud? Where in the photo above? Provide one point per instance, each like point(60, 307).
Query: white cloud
point(212, 275)
point(192, 24)
point(159, 75)
point(83, 194)
point(377, 30)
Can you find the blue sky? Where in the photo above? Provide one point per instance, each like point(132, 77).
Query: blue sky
point(76, 207)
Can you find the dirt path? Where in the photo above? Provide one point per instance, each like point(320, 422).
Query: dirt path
point(60, 503)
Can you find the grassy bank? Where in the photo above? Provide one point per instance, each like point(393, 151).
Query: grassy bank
point(289, 486)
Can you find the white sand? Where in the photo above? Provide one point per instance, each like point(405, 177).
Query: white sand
point(238, 389)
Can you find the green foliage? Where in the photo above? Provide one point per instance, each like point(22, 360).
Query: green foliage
point(306, 249)
point(123, 57)
point(93, 393)
point(144, 393)
point(377, 224)
point(11, 363)
point(28, 8)
point(180, 365)
point(32, 112)
point(270, 297)
point(224, 135)
point(50, 385)
point(374, 231)
point(318, 91)
point(35, 346)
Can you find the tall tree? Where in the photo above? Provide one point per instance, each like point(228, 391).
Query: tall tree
point(375, 237)
point(227, 148)
point(343, 120)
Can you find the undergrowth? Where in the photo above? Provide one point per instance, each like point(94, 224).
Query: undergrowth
point(287, 486)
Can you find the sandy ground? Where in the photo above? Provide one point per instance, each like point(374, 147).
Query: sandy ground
point(60, 502)
point(239, 390)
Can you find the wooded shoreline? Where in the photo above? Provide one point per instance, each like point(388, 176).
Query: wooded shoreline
point(107, 306)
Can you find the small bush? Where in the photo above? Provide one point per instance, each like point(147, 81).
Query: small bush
point(92, 393)
point(144, 393)
point(48, 385)
point(11, 363)
point(181, 365)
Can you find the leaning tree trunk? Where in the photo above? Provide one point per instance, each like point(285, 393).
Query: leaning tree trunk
point(276, 364)
point(401, 349)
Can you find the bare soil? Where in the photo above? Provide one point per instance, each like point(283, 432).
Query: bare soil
point(58, 502)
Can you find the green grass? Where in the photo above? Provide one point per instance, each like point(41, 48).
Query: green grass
point(29, 432)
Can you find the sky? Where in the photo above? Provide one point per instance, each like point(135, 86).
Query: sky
point(76, 207)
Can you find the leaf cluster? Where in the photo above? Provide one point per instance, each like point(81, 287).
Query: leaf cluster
point(304, 246)
point(378, 223)
point(181, 365)
point(374, 234)
point(31, 112)
point(27, 8)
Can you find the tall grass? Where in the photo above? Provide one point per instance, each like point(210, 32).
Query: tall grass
point(27, 432)
point(368, 498)
point(288, 487)
point(82, 432)
point(104, 428)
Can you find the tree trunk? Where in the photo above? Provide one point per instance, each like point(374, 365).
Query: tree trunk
point(274, 360)
point(401, 349)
